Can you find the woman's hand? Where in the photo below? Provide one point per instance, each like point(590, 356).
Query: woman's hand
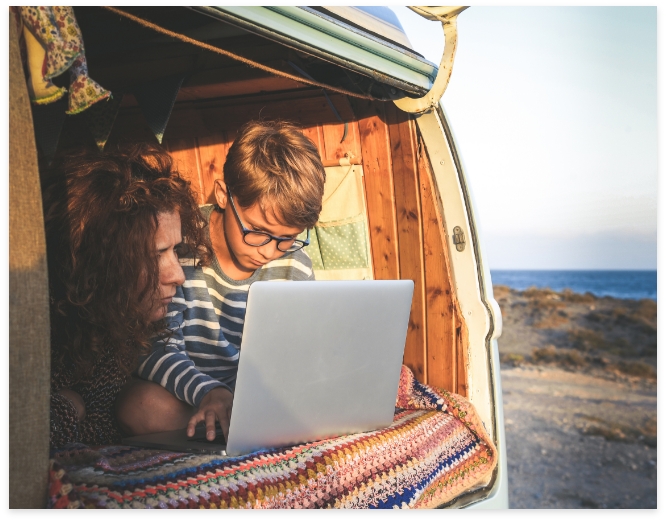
point(76, 400)
point(215, 405)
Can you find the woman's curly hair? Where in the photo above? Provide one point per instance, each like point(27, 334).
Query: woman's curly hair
point(100, 212)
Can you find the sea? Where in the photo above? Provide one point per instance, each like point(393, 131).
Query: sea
point(617, 283)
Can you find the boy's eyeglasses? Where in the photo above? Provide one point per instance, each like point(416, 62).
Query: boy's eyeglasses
point(256, 238)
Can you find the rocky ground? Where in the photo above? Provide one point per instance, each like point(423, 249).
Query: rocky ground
point(580, 399)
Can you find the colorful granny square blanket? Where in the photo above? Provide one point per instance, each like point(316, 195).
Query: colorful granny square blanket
point(435, 449)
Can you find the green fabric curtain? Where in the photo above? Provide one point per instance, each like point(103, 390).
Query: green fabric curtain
point(340, 242)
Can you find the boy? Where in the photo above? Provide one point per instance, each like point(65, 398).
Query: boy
point(272, 191)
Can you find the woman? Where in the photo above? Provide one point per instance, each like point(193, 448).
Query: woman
point(113, 230)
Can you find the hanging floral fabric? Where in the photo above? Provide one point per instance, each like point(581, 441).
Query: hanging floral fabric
point(55, 40)
point(60, 54)
point(41, 90)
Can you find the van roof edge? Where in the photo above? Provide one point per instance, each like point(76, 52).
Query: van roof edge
point(333, 40)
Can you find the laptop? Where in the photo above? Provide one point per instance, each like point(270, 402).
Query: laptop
point(318, 359)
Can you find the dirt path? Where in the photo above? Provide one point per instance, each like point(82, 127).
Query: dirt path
point(577, 440)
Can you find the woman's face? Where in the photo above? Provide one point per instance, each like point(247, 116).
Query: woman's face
point(167, 238)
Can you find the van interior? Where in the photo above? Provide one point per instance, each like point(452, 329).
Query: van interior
point(218, 94)
point(374, 153)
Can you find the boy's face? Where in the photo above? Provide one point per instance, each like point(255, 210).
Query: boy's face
point(245, 257)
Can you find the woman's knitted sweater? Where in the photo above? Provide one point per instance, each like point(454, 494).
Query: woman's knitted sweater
point(99, 391)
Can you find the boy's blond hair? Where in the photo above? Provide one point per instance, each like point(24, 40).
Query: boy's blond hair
point(272, 163)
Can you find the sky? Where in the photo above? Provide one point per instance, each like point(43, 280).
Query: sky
point(554, 110)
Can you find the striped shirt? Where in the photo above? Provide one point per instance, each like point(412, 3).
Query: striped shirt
point(206, 317)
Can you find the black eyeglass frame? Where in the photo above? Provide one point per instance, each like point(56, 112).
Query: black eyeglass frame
point(269, 237)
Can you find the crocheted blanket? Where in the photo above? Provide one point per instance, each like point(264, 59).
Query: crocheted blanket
point(435, 449)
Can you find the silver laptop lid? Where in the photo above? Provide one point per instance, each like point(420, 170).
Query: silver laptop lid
point(318, 359)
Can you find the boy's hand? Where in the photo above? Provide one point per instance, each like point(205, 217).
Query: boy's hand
point(215, 405)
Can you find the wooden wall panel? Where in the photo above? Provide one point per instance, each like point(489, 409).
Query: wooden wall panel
point(462, 344)
point(185, 154)
point(220, 118)
point(441, 320)
point(212, 148)
point(316, 135)
point(406, 229)
point(202, 86)
point(378, 178)
point(213, 151)
point(410, 233)
point(217, 117)
point(195, 119)
point(335, 148)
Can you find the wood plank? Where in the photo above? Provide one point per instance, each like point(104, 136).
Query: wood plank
point(442, 354)
point(316, 134)
point(307, 111)
point(335, 149)
point(334, 162)
point(378, 179)
point(410, 233)
point(461, 341)
point(462, 344)
point(193, 119)
point(332, 131)
point(237, 88)
point(213, 151)
point(186, 160)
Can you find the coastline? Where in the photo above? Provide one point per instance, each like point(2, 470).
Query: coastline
point(621, 284)
point(580, 402)
point(580, 332)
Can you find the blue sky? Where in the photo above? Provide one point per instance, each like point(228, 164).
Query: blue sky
point(555, 113)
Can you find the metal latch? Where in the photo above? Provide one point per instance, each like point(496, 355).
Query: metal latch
point(459, 238)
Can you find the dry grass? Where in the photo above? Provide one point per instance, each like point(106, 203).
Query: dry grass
point(544, 299)
point(590, 333)
point(538, 293)
point(615, 431)
point(561, 357)
point(585, 298)
point(512, 359)
point(500, 291)
point(647, 309)
point(597, 317)
point(649, 427)
point(641, 318)
point(588, 340)
point(552, 320)
point(640, 369)
point(638, 319)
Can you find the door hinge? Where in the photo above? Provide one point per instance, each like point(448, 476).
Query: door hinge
point(459, 238)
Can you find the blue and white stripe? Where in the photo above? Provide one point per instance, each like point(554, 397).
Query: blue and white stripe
point(206, 317)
